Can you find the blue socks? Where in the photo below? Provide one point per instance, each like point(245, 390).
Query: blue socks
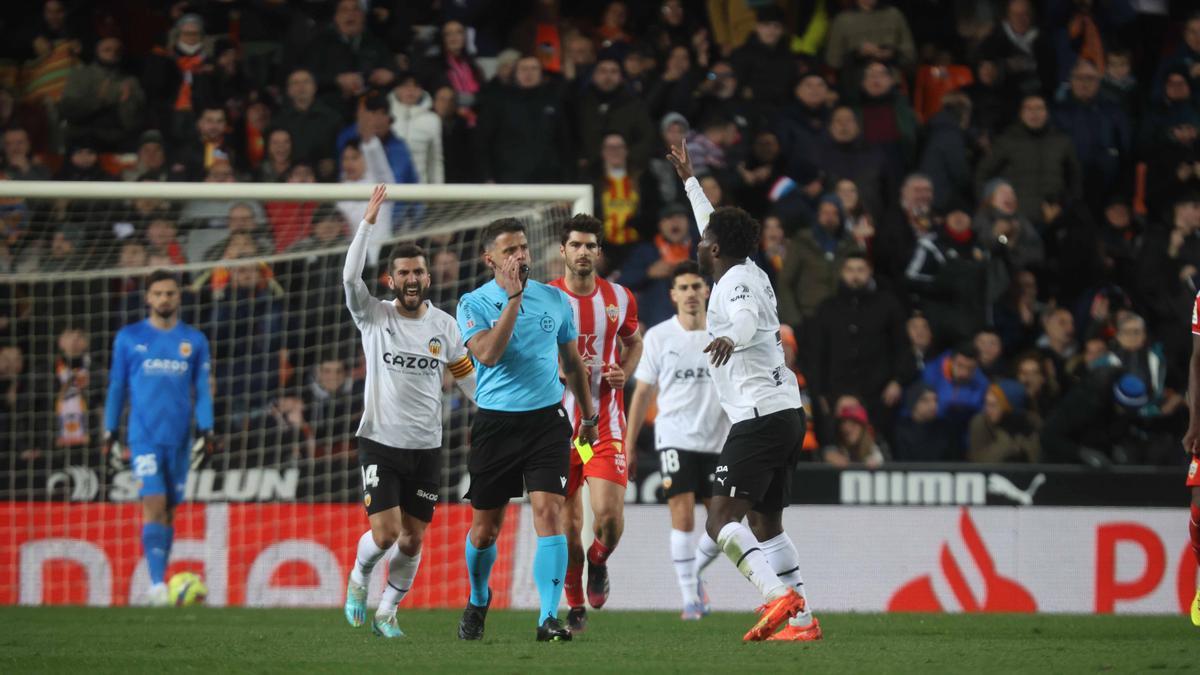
point(156, 542)
point(549, 571)
point(479, 570)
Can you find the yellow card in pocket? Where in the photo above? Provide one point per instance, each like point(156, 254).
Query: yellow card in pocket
point(584, 450)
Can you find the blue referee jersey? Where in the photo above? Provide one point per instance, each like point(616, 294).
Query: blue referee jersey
point(526, 376)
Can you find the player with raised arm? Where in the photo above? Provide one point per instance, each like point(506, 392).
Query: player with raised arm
point(1191, 445)
point(761, 396)
point(690, 427)
point(518, 332)
point(163, 364)
point(606, 317)
point(408, 343)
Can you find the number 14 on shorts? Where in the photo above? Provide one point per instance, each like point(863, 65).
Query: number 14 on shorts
point(370, 476)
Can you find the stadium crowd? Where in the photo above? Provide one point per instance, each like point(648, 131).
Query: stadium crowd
point(982, 217)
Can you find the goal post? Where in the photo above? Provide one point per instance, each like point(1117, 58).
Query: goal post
point(272, 518)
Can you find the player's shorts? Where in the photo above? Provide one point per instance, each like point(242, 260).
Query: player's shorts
point(516, 451)
point(687, 471)
point(161, 470)
point(759, 456)
point(608, 462)
point(400, 477)
point(1193, 477)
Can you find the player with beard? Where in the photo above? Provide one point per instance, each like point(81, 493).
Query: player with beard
point(407, 343)
point(606, 317)
point(761, 397)
point(162, 363)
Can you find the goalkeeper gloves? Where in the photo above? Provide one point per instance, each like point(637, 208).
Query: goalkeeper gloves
point(114, 451)
point(202, 449)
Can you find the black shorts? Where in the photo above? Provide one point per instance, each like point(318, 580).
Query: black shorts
point(516, 451)
point(399, 477)
point(759, 456)
point(685, 471)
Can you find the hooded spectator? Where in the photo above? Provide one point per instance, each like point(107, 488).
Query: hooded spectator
point(812, 263)
point(415, 123)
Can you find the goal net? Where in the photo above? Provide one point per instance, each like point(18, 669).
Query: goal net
point(273, 517)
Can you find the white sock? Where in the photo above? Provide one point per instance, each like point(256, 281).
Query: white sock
point(402, 569)
point(706, 552)
point(364, 561)
point(683, 555)
point(740, 546)
point(781, 553)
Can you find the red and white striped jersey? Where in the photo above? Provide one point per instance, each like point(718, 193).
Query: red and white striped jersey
point(609, 313)
point(1195, 315)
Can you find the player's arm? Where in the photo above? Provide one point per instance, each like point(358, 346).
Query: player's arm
point(643, 394)
point(1191, 440)
point(118, 379)
point(358, 298)
point(742, 319)
point(577, 380)
point(488, 346)
point(701, 207)
point(631, 346)
point(461, 367)
point(203, 447)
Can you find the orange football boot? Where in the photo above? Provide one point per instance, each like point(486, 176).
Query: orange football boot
point(792, 633)
point(773, 614)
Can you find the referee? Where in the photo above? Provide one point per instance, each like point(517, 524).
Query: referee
point(517, 331)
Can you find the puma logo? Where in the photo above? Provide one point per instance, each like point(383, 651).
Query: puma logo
point(556, 581)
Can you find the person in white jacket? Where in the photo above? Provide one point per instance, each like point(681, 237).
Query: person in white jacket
point(365, 163)
point(414, 121)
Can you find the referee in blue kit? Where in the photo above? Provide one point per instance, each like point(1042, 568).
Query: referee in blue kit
point(517, 331)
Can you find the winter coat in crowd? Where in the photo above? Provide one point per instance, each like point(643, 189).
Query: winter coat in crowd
point(523, 137)
point(1039, 164)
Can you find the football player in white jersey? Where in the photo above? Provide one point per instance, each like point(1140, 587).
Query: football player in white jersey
point(690, 426)
point(761, 397)
point(408, 344)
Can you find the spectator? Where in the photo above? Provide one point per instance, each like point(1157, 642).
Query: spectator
point(994, 106)
point(77, 392)
point(855, 441)
point(103, 102)
point(1100, 132)
point(845, 155)
point(246, 324)
point(662, 186)
point(924, 435)
point(991, 354)
point(452, 64)
point(151, 159)
point(19, 163)
point(888, 120)
point(1020, 50)
point(673, 89)
point(1133, 354)
point(366, 164)
point(291, 221)
point(23, 407)
point(278, 162)
point(213, 213)
point(911, 364)
point(1120, 239)
point(647, 270)
point(852, 206)
point(1006, 235)
point(523, 135)
point(374, 120)
point(1057, 343)
point(315, 299)
point(1185, 58)
point(801, 124)
point(868, 32)
point(1166, 270)
point(612, 29)
point(83, 163)
point(764, 64)
point(607, 107)
point(720, 96)
point(960, 387)
point(178, 78)
point(329, 229)
point(1119, 84)
point(912, 222)
point(674, 26)
point(761, 171)
point(1003, 432)
point(772, 248)
point(1094, 423)
point(732, 23)
point(242, 220)
point(445, 270)
point(1035, 158)
point(1171, 148)
point(209, 144)
point(945, 159)
point(812, 262)
point(709, 147)
point(161, 239)
point(1042, 391)
point(618, 189)
point(312, 124)
point(346, 60)
point(946, 279)
point(858, 339)
point(332, 404)
point(126, 299)
point(415, 123)
point(458, 146)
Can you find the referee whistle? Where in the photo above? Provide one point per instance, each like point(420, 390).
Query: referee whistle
point(584, 450)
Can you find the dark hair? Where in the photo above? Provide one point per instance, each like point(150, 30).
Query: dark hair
point(966, 349)
point(353, 143)
point(405, 76)
point(582, 222)
point(406, 249)
point(857, 255)
point(212, 105)
point(160, 275)
point(496, 228)
point(684, 268)
point(735, 231)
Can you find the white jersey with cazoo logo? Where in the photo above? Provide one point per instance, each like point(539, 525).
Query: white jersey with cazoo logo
point(406, 358)
point(689, 410)
point(756, 381)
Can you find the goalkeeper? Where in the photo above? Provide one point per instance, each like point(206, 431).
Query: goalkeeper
point(163, 365)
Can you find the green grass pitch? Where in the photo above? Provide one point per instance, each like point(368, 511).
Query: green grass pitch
point(206, 640)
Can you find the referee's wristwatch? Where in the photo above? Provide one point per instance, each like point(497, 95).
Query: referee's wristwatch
point(590, 421)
